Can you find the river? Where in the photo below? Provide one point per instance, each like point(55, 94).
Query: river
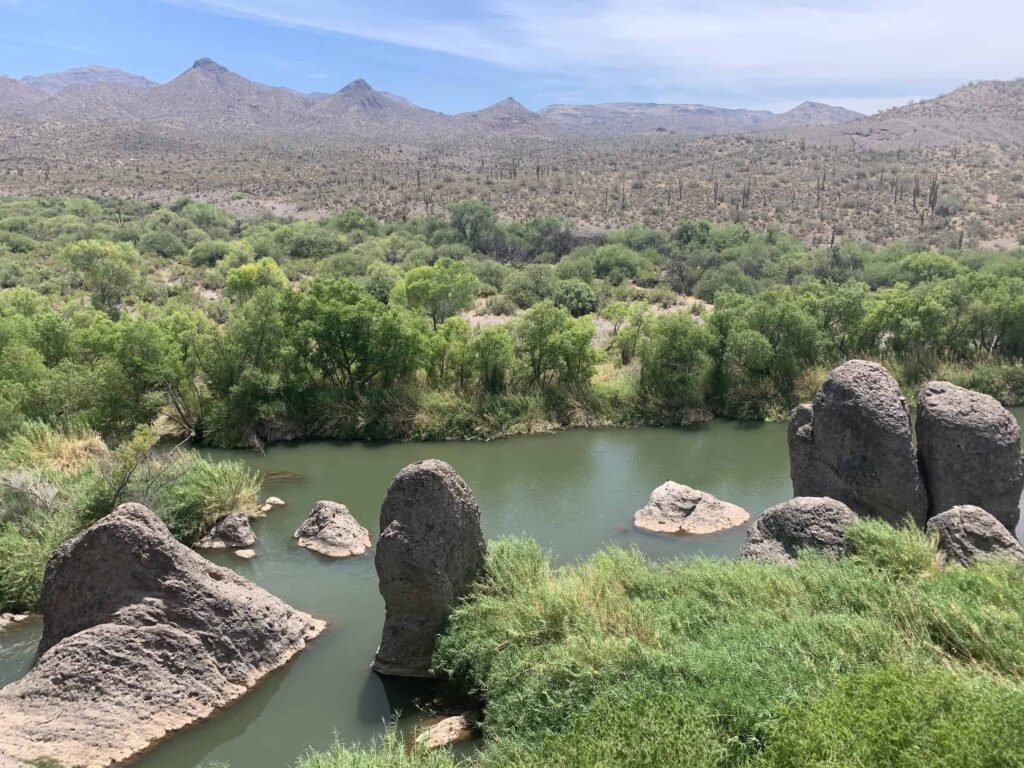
point(573, 492)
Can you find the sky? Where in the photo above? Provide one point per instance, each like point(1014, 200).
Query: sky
point(457, 55)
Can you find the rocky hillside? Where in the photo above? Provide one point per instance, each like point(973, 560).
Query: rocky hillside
point(696, 119)
point(990, 111)
point(55, 82)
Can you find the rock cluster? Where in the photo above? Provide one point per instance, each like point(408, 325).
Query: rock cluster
point(229, 532)
point(968, 533)
point(806, 522)
point(331, 530)
point(853, 444)
point(969, 449)
point(430, 549)
point(680, 509)
point(141, 636)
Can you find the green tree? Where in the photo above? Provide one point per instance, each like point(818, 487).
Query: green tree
point(442, 290)
point(492, 355)
point(243, 282)
point(575, 296)
point(108, 270)
point(675, 362)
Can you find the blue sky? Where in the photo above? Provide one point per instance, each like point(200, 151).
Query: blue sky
point(456, 55)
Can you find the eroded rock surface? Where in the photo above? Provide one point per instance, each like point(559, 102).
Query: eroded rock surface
point(229, 532)
point(679, 509)
point(969, 450)
point(968, 533)
point(141, 637)
point(430, 549)
point(806, 522)
point(853, 444)
point(443, 732)
point(331, 530)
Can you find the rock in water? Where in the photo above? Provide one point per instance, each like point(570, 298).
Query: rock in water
point(429, 551)
point(331, 530)
point(229, 532)
point(680, 509)
point(141, 637)
point(969, 449)
point(805, 522)
point(853, 443)
point(967, 533)
point(443, 732)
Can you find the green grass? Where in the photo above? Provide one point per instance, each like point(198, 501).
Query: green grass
point(878, 659)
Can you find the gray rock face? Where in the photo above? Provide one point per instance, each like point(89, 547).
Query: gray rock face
point(331, 530)
point(967, 533)
point(430, 549)
point(853, 443)
point(680, 509)
point(802, 523)
point(141, 636)
point(969, 450)
point(229, 532)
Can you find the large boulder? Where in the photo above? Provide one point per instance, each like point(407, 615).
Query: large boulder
point(430, 549)
point(969, 450)
point(680, 509)
point(331, 530)
point(805, 522)
point(967, 533)
point(229, 532)
point(853, 443)
point(141, 637)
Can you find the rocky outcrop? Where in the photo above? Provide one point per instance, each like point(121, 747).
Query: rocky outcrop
point(8, 619)
point(229, 532)
point(802, 523)
point(436, 733)
point(141, 636)
point(969, 449)
point(967, 533)
point(680, 509)
point(430, 549)
point(853, 443)
point(331, 530)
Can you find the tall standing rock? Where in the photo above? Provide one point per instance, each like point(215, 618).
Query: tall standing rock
point(430, 549)
point(853, 444)
point(969, 449)
point(141, 636)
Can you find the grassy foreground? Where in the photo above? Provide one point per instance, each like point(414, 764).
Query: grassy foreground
point(881, 659)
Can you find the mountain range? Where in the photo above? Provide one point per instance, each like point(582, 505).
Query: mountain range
point(209, 99)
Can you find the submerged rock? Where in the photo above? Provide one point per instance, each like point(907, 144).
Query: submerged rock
point(229, 532)
point(806, 522)
point(680, 509)
point(430, 549)
point(449, 730)
point(141, 636)
point(245, 554)
point(853, 444)
point(331, 530)
point(969, 449)
point(274, 501)
point(7, 619)
point(967, 533)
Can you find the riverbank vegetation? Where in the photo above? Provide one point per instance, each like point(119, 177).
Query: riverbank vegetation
point(880, 658)
point(119, 313)
point(54, 482)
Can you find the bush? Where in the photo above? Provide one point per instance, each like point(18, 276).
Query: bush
point(203, 492)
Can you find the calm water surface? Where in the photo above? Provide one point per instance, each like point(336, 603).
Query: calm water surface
point(574, 492)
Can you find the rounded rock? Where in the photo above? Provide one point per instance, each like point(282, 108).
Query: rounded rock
point(967, 533)
point(806, 522)
point(969, 449)
point(331, 531)
point(854, 444)
point(681, 510)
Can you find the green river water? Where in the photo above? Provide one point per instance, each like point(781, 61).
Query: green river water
point(574, 492)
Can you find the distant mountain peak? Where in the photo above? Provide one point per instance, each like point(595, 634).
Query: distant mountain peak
point(357, 86)
point(206, 64)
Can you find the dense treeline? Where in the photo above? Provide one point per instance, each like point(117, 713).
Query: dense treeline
point(117, 314)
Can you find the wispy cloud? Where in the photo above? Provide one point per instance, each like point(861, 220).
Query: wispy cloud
point(870, 50)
